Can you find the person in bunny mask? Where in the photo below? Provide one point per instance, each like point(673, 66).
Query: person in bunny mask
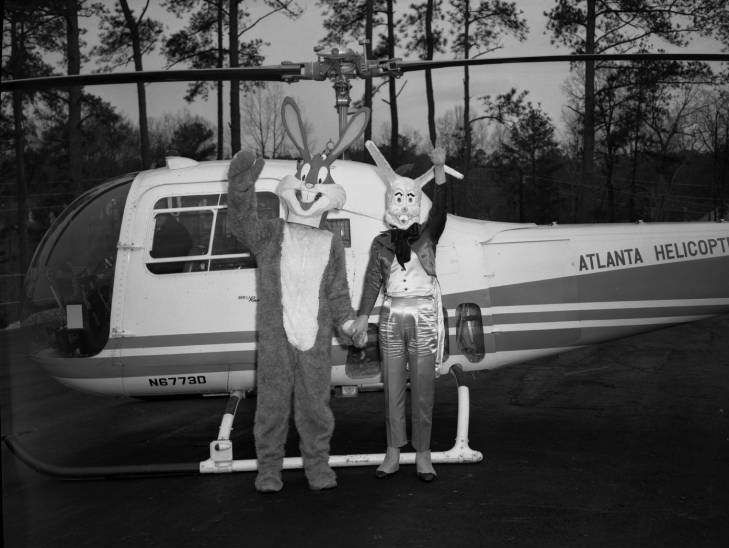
point(402, 261)
point(303, 293)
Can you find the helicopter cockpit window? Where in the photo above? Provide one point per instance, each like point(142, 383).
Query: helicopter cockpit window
point(191, 234)
point(68, 290)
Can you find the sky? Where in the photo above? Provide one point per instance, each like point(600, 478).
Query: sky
point(294, 40)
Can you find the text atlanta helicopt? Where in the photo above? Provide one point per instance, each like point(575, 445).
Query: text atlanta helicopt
point(139, 289)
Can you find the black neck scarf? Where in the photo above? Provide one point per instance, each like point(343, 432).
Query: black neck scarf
point(402, 239)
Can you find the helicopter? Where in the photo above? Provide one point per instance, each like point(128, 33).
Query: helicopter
point(140, 289)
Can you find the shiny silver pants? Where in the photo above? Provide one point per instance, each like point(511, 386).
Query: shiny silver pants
point(408, 337)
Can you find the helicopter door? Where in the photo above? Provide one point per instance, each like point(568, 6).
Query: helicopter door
point(190, 319)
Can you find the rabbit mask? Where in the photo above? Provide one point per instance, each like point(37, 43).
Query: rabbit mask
point(312, 192)
point(402, 203)
point(403, 197)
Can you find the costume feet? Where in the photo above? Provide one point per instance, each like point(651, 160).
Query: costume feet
point(321, 477)
point(390, 465)
point(424, 466)
point(268, 482)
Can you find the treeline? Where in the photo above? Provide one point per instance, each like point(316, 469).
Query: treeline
point(643, 140)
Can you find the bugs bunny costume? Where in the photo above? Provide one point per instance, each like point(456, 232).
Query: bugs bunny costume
point(303, 293)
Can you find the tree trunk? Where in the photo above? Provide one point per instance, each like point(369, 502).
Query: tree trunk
point(588, 131)
point(234, 84)
point(394, 129)
point(16, 56)
point(522, 182)
point(73, 55)
point(429, 49)
point(220, 82)
point(466, 91)
point(368, 81)
point(536, 189)
point(610, 183)
point(724, 192)
point(141, 94)
point(22, 184)
point(632, 206)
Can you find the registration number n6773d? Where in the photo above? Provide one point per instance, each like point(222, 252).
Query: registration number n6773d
point(177, 381)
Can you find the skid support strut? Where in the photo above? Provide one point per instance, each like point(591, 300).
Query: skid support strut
point(221, 450)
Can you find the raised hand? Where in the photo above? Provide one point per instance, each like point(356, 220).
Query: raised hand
point(245, 162)
point(437, 156)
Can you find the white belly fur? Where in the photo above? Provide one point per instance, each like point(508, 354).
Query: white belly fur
point(304, 256)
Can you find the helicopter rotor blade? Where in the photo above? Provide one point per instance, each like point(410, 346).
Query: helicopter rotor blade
point(272, 73)
point(291, 72)
point(410, 66)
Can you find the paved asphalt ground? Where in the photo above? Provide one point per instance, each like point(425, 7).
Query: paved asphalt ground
point(623, 444)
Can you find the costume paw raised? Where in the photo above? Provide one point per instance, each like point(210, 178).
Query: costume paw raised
point(245, 162)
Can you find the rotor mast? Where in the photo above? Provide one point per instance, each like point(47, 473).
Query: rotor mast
point(340, 66)
point(342, 88)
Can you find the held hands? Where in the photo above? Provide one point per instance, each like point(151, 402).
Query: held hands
point(353, 330)
point(359, 331)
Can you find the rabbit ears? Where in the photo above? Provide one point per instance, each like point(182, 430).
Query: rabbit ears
point(294, 127)
point(391, 176)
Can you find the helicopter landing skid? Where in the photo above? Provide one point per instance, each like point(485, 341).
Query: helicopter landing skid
point(221, 450)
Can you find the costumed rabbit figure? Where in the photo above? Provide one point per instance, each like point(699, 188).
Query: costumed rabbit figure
point(303, 293)
point(402, 261)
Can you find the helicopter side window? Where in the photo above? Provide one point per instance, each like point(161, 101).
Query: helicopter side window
point(202, 200)
point(183, 229)
point(229, 252)
point(181, 234)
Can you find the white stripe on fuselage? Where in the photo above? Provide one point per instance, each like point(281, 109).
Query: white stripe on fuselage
point(603, 305)
point(582, 324)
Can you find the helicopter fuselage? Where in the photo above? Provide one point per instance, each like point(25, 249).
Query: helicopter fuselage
point(179, 317)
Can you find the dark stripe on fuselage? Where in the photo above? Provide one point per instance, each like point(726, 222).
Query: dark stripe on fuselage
point(104, 368)
point(161, 364)
point(560, 338)
point(607, 314)
point(187, 339)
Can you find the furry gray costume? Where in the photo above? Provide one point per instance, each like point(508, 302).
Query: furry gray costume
point(303, 293)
